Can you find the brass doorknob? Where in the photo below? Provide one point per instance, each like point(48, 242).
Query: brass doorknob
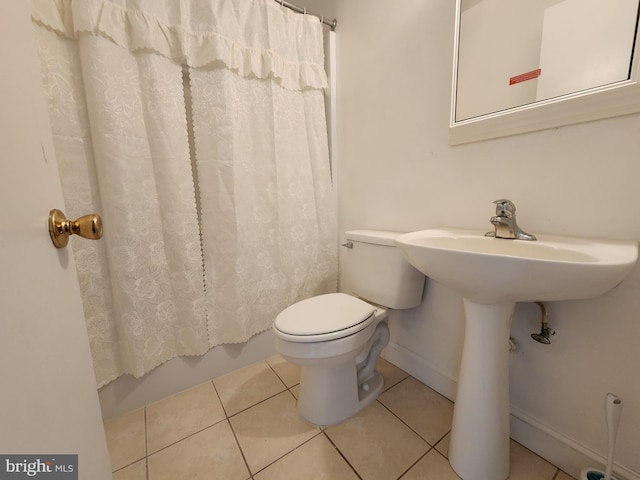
point(60, 229)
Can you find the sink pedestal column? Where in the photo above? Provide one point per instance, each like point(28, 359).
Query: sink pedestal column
point(479, 448)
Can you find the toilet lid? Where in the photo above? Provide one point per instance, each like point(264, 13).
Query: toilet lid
point(323, 314)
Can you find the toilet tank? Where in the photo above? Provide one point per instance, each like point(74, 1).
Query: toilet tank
point(378, 271)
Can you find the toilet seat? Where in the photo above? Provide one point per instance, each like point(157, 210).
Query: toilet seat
point(323, 318)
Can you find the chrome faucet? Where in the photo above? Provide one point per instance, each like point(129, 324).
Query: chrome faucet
point(505, 222)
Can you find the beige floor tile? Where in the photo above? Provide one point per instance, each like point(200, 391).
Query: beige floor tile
point(432, 466)
point(246, 387)
point(137, 471)
point(125, 439)
point(526, 465)
point(377, 444)
point(420, 407)
point(390, 373)
point(211, 453)
point(316, 459)
point(183, 414)
point(287, 371)
point(295, 390)
point(564, 476)
point(189, 438)
point(443, 445)
point(271, 429)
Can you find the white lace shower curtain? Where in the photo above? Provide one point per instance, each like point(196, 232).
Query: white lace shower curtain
point(167, 279)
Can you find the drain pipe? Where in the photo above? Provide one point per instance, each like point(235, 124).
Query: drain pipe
point(546, 331)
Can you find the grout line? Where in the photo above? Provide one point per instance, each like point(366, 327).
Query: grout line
point(244, 458)
point(341, 454)
point(440, 440)
point(279, 377)
point(233, 432)
point(285, 388)
point(289, 452)
point(408, 426)
point(196, 433)
point(130, 464)
point(391, 387)
point(274, 371)
point(191, 434)
point(226, 415)
point(146, 446)
point(414, 463)
point(144, 425)
point(184, 438)
point(293, 395)
point(188, 436)
point(257, 403)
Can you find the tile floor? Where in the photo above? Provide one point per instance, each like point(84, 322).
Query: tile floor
point(244, 425)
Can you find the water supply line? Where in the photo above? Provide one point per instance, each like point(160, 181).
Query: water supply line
point(546, 331)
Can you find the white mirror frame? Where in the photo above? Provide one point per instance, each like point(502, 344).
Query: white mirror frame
point(620, 98)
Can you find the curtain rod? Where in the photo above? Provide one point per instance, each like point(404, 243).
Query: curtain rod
point(332, 23)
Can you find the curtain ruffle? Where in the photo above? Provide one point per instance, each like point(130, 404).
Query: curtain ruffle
point(224, 31)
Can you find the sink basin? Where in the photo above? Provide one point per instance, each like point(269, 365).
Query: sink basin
point(491, 270)
point(492, 274)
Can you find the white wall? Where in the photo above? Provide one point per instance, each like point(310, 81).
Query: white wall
point(397, 171)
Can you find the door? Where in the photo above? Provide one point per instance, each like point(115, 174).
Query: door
point(48, 397)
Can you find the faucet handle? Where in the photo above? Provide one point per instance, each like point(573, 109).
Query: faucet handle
point(505, 208)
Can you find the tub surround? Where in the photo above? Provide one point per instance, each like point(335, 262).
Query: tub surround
point(128, 393)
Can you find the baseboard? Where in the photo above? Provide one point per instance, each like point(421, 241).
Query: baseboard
point(560, 450)
point(421, 369)
point(566, 453)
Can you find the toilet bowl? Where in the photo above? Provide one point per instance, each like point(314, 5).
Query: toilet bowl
point(337, 338)
point(331, 388)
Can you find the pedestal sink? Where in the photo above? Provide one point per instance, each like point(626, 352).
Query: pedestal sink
point(492, 275)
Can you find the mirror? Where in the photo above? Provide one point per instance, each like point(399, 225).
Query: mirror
point(536, 64)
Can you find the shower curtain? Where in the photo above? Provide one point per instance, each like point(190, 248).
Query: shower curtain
point(191, 257)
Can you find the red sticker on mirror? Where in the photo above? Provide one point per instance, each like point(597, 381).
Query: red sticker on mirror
point(523, 77)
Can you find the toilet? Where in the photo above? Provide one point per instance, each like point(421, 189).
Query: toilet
point(337, 338)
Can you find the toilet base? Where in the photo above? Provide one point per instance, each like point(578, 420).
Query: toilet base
point(337, 388)
point(338, 377)
point(369, 390)
point(328, 396)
